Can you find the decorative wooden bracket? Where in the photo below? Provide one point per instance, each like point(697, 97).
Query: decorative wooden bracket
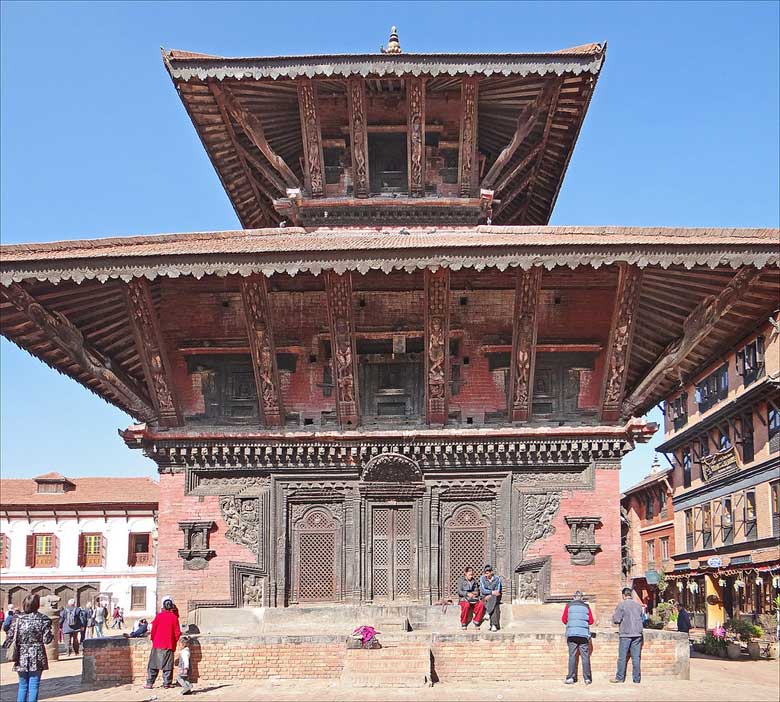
point(619, 349)
point(437, 344)
point(699, 323)
point(61, 332)
point(525, 124)
point(261, 344)
point(338, 290)
point(469, 169)
point(150, 346)
point(253, 128)
point(314, 178)
point(415, 97)
point(524, 343)
point(358, 135)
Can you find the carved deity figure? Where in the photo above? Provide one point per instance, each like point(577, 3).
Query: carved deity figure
point(344, 362)
point(253, 592)
point(528, 586)
point(436, 354)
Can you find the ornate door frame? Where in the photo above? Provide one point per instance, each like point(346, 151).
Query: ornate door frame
point(464, 518)
point(313, 527)
point(413, 538)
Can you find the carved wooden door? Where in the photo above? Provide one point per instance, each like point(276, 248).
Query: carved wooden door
point(392, 553)
point(465, 545)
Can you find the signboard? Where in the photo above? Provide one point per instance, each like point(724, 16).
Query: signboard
point(652, 577)
point(714, 562)
point(719, 464)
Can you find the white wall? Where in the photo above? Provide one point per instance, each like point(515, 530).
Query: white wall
point(116, 577)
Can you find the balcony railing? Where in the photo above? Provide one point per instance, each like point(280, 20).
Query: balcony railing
point(93, 560)
point(141, 559)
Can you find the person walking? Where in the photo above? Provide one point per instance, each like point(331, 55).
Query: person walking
point(32, 631)
point(577, 617)
point(468, 591)
point(71, 623)
point(166, 633)
point(183, 673)
point(9, 618)
point(115, 618)
point(101, 613)
point(89, 629)
point(628, 615)
point(683, 619)
point(490, 588)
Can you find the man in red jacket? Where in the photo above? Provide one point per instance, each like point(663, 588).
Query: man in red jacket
point(165, 635)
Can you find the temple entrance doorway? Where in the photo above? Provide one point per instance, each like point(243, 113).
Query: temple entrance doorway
point(392, 558)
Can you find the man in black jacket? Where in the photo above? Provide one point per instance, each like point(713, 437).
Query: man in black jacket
point(683, 619)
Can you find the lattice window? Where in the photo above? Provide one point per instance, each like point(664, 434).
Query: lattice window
point(316, 562)
point(466, 545)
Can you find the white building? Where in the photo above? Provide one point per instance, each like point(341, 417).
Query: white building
point(82, 538)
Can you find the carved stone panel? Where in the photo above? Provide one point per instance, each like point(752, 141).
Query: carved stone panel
point(533, 580)
point(342, 344)
point(312, 139)
point(242, 516)
point(437, 329)
point(619, 349)
point(539, 511)
point(583, 547)
point(358, 133)
point(524, 343)
point(469, 168)
point(196, 552)
point(415, 96)
point(261, 343)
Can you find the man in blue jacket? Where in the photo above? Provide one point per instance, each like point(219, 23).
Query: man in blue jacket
point(577, 617)
point(490, 588)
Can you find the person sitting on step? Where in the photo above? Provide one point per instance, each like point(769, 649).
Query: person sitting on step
point(490, 588)
point(468, 591)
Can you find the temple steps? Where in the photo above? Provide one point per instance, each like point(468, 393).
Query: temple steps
point(399, 663)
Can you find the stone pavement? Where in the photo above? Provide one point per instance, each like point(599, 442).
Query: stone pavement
point(711, 679)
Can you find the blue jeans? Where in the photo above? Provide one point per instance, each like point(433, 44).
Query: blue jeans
point(632, 644)
point(28, 686)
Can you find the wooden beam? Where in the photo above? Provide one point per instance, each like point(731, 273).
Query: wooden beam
point(521, 186)
point(338, 290)
point(525, 124)
point(358, 135)
point(524, 343)
point(415, 101)
point(519, 168)
point(259, 329)
point(314, 176)
point(253, 128)
point(150, 347)
point(63, 334)
point(437, 345)
point(697, 326)
point(469, 172)
point(620, 341)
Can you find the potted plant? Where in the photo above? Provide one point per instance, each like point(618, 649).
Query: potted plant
point(712, 644)
point(746, 633)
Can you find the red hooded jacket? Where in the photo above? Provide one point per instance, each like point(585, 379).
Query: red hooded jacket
point(165, 630)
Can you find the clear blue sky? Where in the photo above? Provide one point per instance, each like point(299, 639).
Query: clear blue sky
point(682, 130)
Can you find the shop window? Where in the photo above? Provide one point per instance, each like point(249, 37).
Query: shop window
point(750, 361)
point(773, 427)
point(92, 550)
point(689, 530)
point(748, 446)
point(664, 548)
point(775, 490)
point(137, 597)
point(686, 466)
point(706, 526)
point(713, 389)
point(139, 550)
point(750, 515)
point(678, 411)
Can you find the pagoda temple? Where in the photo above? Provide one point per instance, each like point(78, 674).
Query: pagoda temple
point(396, 368)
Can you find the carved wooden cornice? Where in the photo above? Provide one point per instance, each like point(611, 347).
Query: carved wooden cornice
point(524, 344)
point(358, 134)
point(150, 345)
point(437, 354)
point(314, 177)
point(469, 166)
point(64, 335)
point(621, 336)
point(263, 352)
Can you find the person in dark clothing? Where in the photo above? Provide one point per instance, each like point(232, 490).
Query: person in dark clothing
point(141, 627)
point(490, 588)
point(577, 617)
point(72, 621)
point(468, 591)
point(32, 631)
point(628, 615)
point(683, 619)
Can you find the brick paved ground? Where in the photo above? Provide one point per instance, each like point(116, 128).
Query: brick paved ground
point(711, 679)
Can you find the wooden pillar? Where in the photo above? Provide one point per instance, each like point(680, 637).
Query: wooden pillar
point(437, 346)
point(621, 335)
point(261, 345)
point(358, 135)
point(338, 289)
point(150, 346)
point(415, 99)
point(314, 178)
point(524, 344)
point(469, 168)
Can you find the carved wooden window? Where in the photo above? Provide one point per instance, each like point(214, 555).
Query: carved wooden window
point(334, 164)
point(773, 428)
point(137, 597)
point(689, 530)
point(391, 389)
point(727, 520)
point(706, 525)
point(677, 411)
point(713, 389)
point(42, 551)
point(686, 466)
point(387, 158)
point(750, 361)
point(557, 384)
point(465, 545)
point(750, 515)
point(139, 550)
point(228, 386)
point(746, 441)
point(315, 563)
point(92, 550)
point(724, 440)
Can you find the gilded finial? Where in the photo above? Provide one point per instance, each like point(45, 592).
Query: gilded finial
point(393, 45)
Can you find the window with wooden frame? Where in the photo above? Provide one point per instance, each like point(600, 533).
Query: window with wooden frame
point(747, 445)
point(137, 597)
point(775, 496)
point(750, 361)
point(713, 389)
point(706, 525)
point(689, 539)
point(678, 411)
point(650, 555)
point(750, 515)
point(92, 550)
point(42, 551)
point(773, 427)
point(649, 505)
point(686, 466)
point(139, 549)
point(5, 555)
point(727, 520)
point(662, 502)
point(724, 440)
point(664, 549)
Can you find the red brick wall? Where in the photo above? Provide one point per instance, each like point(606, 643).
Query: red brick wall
point(602, 578)
point(212, 583)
